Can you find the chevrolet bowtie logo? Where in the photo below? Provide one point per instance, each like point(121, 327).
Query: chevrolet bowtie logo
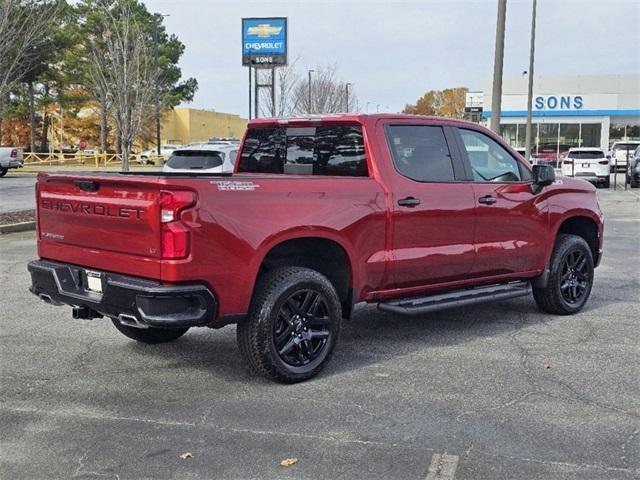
point(264, 30)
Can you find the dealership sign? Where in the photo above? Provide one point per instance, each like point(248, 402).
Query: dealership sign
point(264, 41)
point(559, 102)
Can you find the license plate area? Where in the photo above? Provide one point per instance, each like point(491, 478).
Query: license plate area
point(586, 165)
point(93, 281)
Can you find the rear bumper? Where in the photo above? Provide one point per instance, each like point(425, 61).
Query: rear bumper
point(143, 302)
point(589, 176)
point(593, 178)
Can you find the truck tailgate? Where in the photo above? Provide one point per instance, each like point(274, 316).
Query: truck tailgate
point(100, 221)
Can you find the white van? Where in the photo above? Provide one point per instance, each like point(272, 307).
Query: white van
point(590, 164)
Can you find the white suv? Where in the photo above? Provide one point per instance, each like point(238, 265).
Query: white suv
point(590, 164)
point(204, 158)
point(620, 151)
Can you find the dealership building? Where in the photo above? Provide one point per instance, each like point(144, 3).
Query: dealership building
point(568, 111)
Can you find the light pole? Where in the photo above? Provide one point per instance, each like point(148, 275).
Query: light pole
point(527, 141)
point(496, 94)
point(347, 85)
point(309, 99)
point(367, 107)
point(157, 17)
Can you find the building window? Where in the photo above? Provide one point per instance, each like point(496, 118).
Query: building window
point(509, 133)
point(624, 131)
point(591, 134)
point(570, 134)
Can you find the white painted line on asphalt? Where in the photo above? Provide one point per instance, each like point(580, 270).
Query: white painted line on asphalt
point(442, 467)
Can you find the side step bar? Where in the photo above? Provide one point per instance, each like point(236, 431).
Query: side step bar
point(457, 298)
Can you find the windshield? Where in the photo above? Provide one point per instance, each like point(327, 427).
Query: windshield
point(195, 159)
point(586, 155)
point(625, 146)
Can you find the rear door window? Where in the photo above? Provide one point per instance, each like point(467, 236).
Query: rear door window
point(330, 150)
point(195, 159)
point(420, 152)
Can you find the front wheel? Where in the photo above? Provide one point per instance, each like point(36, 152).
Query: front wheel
point(151, 334)
point(293, 325)
point(570, 277)
point(3, 171)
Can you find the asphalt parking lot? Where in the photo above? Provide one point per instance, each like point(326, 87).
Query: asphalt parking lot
point(17, 192)
point(494, 391)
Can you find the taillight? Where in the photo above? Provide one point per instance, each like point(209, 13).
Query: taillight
point(604, 162)
point(568, 161)
point(175, 234)
point(14, 153)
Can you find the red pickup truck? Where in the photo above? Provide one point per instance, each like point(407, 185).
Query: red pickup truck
point(411, 213)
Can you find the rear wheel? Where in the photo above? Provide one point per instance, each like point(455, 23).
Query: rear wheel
point(606, 183)
point(293, 325)
point(149, 335)
point(570, 277)
point(3, 171)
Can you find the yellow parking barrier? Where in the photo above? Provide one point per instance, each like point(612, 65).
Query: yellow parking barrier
point(96, 160)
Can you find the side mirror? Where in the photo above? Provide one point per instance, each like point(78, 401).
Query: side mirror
point(608, 157)
point(543, 175)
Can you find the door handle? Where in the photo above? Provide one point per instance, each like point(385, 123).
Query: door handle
point(409, 202)
point(488, 200)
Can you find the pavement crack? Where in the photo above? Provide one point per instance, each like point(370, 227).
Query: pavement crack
point(565, 390)
point(509, 403)
point(97, 416)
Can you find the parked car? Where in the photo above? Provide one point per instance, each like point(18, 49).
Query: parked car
point(620, 152)
point(207, 158)
point(411, 213)
point(148, 157)
point(522, 151)
point(589, 164)
point(551, 153)
point(10, 157)
point(634, 169)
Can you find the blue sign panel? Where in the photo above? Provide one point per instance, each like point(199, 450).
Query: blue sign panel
point(264, 41)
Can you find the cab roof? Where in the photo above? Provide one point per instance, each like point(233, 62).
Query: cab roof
point(361, 118)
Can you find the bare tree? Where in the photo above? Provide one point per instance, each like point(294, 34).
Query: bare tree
point(22, 31)
point(328, 94)
point(99, 85)
point(122, 65)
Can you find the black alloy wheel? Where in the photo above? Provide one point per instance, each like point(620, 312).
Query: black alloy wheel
point(570, 277)
point(293, 325)
point(575, 279)
point(300, 332)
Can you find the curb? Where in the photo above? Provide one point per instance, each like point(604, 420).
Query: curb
point(17, 227)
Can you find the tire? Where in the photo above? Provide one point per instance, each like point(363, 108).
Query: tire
point(570, 277)
point(151, 334)
point(3, 171)
point(607, 183)
point(292, 326)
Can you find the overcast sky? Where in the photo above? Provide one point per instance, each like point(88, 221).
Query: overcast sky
point(394, 51)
